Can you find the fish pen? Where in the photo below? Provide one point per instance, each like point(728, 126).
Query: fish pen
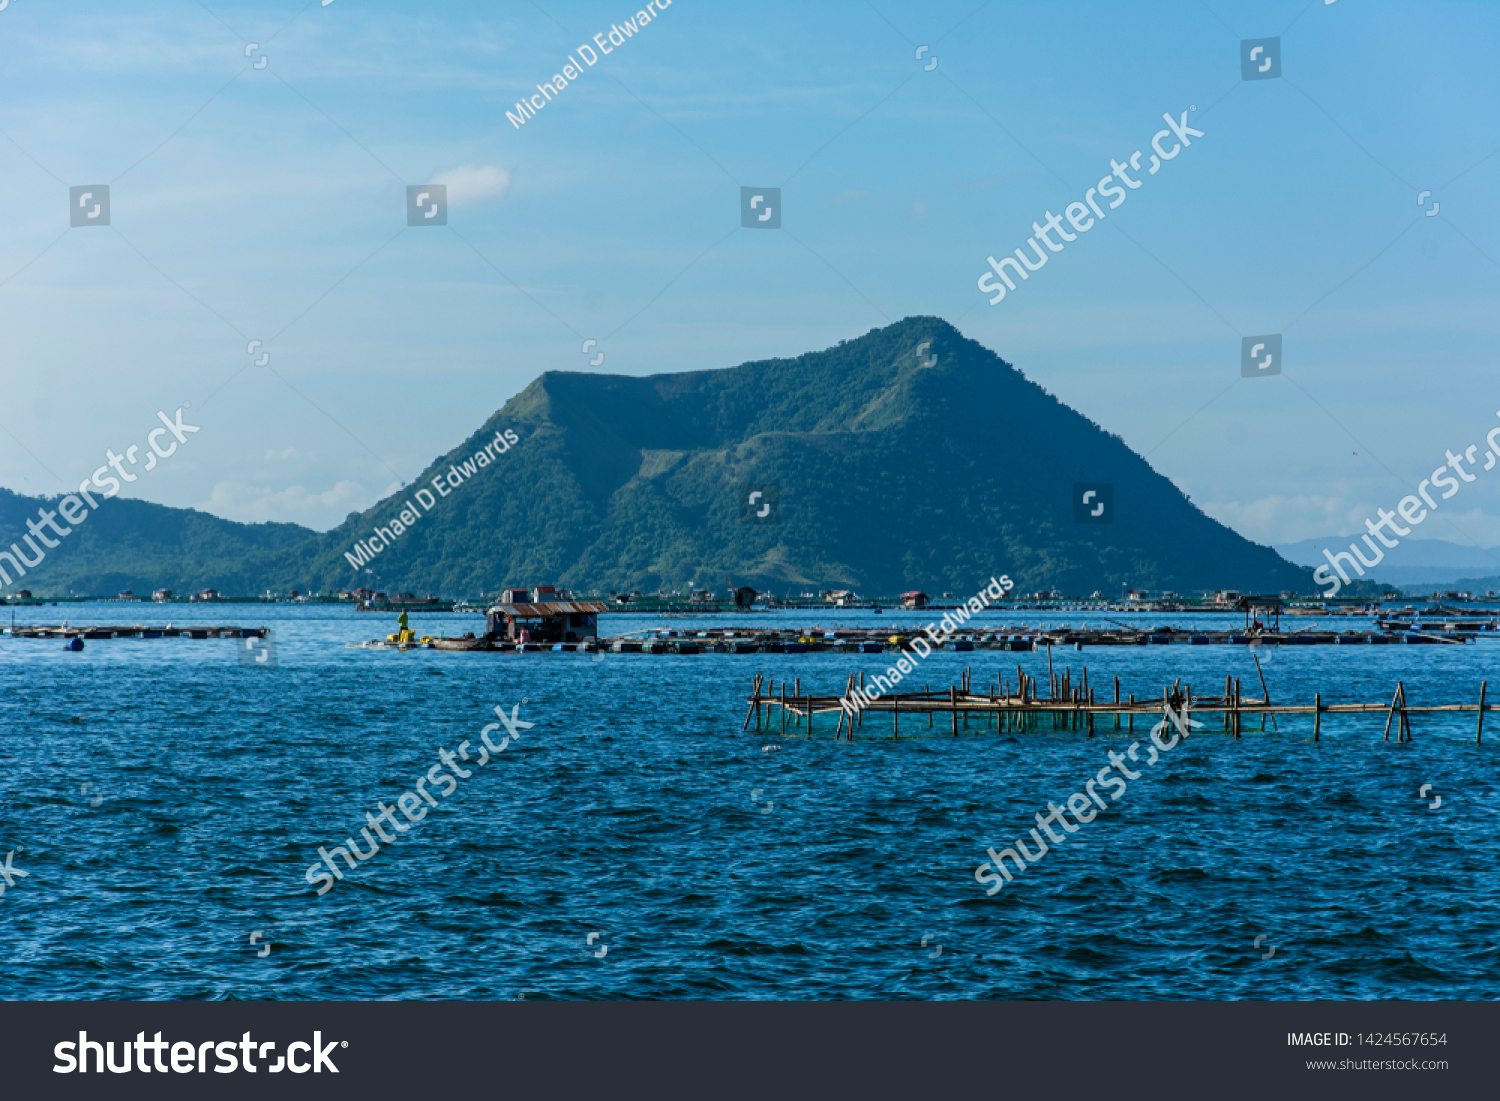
point(1019, 706)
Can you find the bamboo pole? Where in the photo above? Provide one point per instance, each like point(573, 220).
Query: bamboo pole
point(1317, 716)
point(1479, 730)
point(1391, 714)
point(953, 704)
point(1266, 691)
point(754, 708)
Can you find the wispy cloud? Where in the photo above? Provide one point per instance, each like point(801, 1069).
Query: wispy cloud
point(296, 504)
point(473, 183)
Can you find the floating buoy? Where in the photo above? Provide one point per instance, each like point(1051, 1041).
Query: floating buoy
point(75, 645)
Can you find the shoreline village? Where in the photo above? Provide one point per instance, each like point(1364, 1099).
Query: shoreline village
point(605, 41)
point(366, 549)
point(858, 698)
point(1078, 214)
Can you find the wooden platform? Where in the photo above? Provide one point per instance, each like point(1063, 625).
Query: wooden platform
point(93, 633)
point(1066, 706)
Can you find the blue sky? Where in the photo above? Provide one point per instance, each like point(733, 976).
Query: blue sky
point(269, 204)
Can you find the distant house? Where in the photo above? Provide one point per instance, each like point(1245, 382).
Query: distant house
point(744, 596)
point(126, 595)
point(161, 595)
point(914, 600)
point(206, 594)
point(544, 622)
point(23, 594)
point(1227, 596)
point(1138, 595)
point(1262, 613)
point(701, 596)
point(838, 596)
point(413, 599)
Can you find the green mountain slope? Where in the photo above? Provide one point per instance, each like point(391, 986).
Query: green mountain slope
point(890, 474)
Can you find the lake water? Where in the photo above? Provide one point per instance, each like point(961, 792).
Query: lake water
point(166, 803)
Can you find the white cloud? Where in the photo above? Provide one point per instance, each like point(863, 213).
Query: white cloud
point(474, 183)
point(251, 504)
point(287, 454)
point(1278, 519)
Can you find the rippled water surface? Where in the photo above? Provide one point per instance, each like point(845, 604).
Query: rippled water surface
point(166, 803)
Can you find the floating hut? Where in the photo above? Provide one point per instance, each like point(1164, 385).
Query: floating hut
point(547, 618)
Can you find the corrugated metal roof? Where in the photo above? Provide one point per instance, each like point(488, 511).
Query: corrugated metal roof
point(542, 611)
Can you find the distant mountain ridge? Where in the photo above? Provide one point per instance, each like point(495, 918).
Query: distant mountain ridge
point(888, 470)
point(1412, 563)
